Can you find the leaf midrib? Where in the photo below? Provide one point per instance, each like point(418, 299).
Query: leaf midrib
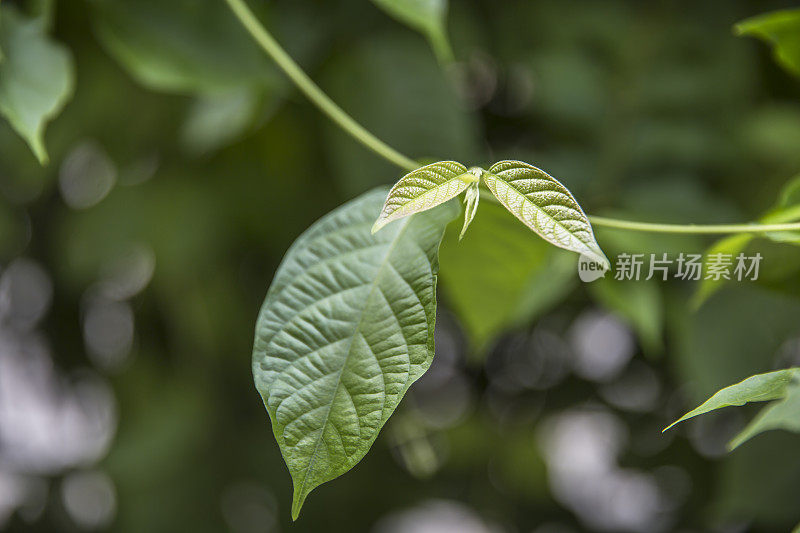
point(357, 327)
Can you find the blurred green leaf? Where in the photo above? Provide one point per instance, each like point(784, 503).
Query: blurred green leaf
point(781, 29)
point(784, 414)
point(195, 48)
point(218, 118)
point(787, 209)
point(501, 276)
point(759, 388)
point(426, 16)
point(181, 46)
point(731, 245)
point(36, 77)
point(346, 328)
point(544, 205)
point(423, 189)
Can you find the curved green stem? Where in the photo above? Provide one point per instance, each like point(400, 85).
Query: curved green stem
point(698, 229)
point(312, 91)
point(362, 135)
point(695, 229)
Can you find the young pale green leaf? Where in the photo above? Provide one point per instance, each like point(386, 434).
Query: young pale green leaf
point(545, 206)
point(781, 29)
point(36, 77)
point(784, 414)
point(426, 16)
point(471, 199)
point(758, 388)
point(346, 328)
point(423, 189)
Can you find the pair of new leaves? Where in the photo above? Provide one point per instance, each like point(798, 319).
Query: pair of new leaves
point(347, 325)
point(530, 194)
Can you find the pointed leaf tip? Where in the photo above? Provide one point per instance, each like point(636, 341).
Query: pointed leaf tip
point(30, 56)
point(471, 200)
point(758, 388)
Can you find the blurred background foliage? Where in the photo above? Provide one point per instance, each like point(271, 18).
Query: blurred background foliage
point(182, 167)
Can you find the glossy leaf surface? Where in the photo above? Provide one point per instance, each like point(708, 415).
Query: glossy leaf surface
point(545, 206)
point(423, 189)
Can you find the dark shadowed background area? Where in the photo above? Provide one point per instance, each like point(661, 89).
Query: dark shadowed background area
point(133, 265)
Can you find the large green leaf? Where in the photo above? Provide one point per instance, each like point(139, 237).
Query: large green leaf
point(346, 328)
point(784, 414)
point(426, 16)
point(545, 206)
point(781, 29)
point(36, 77)
point(423, 189)
point(758, 388)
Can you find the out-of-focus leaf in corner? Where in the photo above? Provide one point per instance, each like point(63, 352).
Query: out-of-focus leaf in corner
point(637, 302)
point(36, 77)
point(500, 275)
point(194, 48)
point(181, 47)
point(426, 16)
point(759, 388)
point(781, 29)
point(783, 414)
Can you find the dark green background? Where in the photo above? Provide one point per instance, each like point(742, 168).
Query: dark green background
point(648, 110)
